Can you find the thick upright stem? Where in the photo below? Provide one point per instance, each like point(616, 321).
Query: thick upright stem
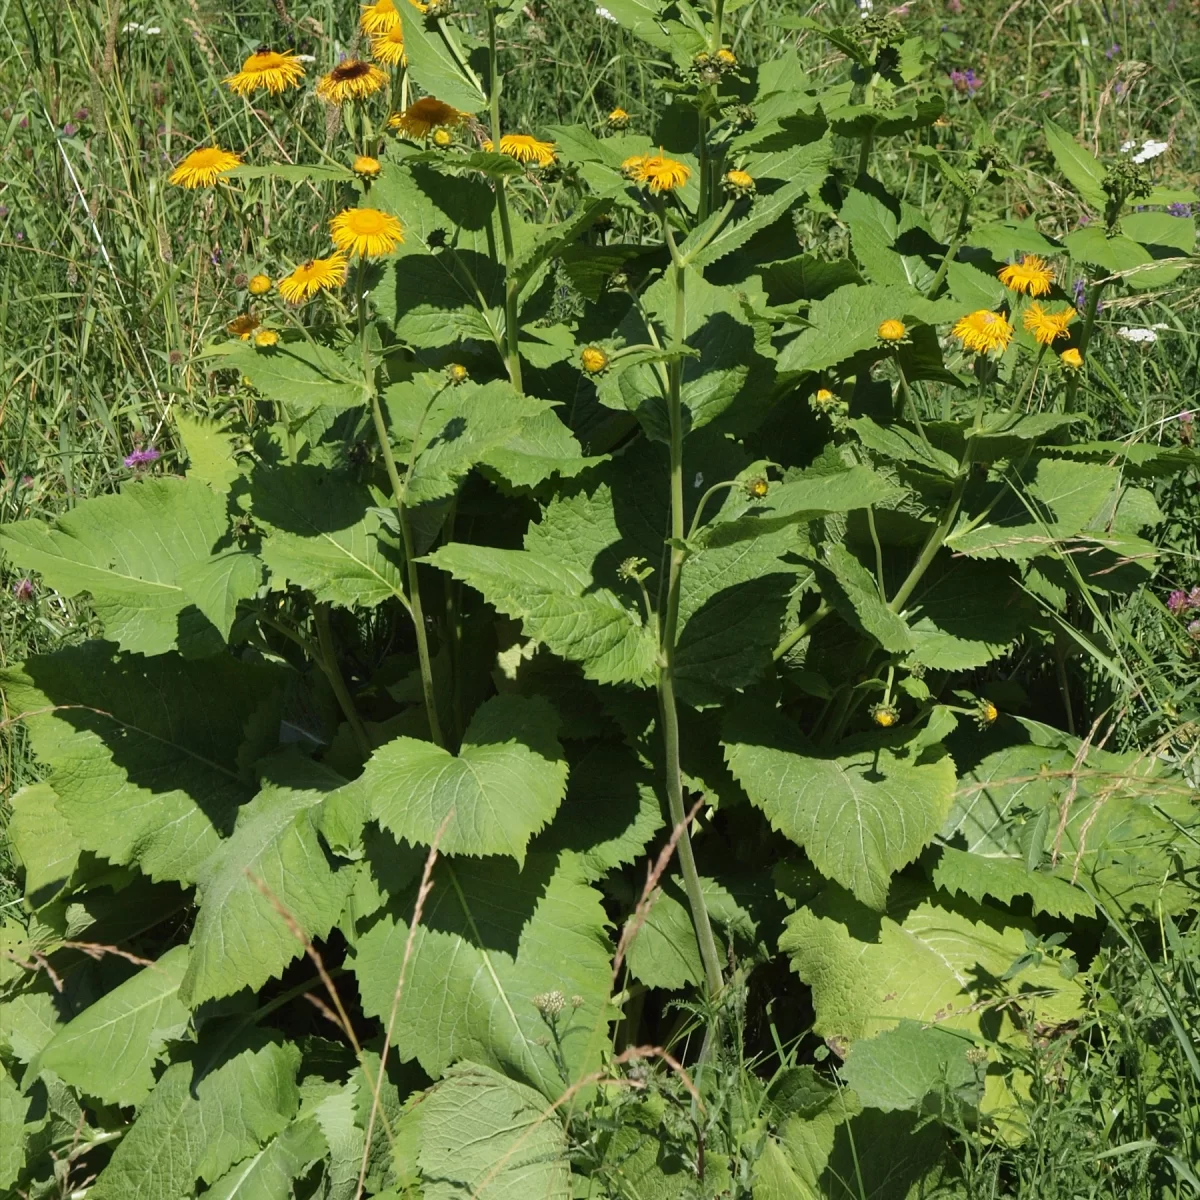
point(666, 670)
point(333, 673)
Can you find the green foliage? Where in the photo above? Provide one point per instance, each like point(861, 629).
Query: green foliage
point(618, 652)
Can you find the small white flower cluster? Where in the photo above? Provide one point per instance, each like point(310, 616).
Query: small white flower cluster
point(1139, 335)
point(601, 11)
point(144, 30)
point(865, 6)
point(1150, 149)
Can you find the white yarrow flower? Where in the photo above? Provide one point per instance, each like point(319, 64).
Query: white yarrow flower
point(865, 6)
point(1127, 146)
point(1150, 149)
point(1144, 337)
point(306, 58)
point(144, 30)
point(601, 11)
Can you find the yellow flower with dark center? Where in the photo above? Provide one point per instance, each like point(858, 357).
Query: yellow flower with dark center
point(264, 339)
point(1071, 359)
point(366, 166)
point(259, 285)
point(442, 138)
point(593, 359)
point(631, 168)
point(527, 149)
point(243, 325)
point(366, 232)
point(457, 373)
point(1030, 276)
point(423, 116)
point(663, 174)
point(351, 80)
point(1046, 327)
point(389, 47)
point(267, 70)
point(892, 330)
point(378, 17)
point(885, 715)
point(983, 331)
point(203, 167)
point(311, 277)
point(618, 118)
point(740, 183)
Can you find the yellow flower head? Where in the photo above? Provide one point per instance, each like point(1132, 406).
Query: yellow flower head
point(267, 70)
point(757, 488)
point(423, 116)
point(243, 325)
point(618, 118)
point(986, 713)
point(442, 138)
point(259, 285)
point(1071, 359)
point(388, 48)
point(202, 167)
point(824, 398)
point(726, 58)
point(1030, 276)
point(526, 149)
point(663, 174)
point(378, 17)
point(366, 232)
point(264, 339)
point(892, 330)
point(983, 331)
point(740, 183)
point(366, 166)
point(309, 278)
point(457, 373)
point(593, 359)
point(351, 80)
point(885, 715)
point(631, 168)
point(1047, 327)
point(487, 145)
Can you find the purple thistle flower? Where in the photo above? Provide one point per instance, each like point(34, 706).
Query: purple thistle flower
point(1179, 210)
point(1080, 290)
point(141, 458)
point(1177, 601)
point(70, 129)
point(966, 82)
point(23, 590)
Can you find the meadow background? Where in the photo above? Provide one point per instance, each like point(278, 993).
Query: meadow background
point(111, 282)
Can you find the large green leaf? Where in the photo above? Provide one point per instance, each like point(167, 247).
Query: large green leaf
point(860, 817)
point(1004, 877)
point(485, 1135)
point(43, 841)
point(305, 374)
point(128, 552)
point(322, 534)
point(854, 592)
point(875, 221)
point(147, 768)
point(268, 1175)
point(1080, 166)
point(110, 1049)
point(13, 1107)
point(540, 448)
point(240, 938)
point(492, 937)
point(504, 784)
point(435, 67)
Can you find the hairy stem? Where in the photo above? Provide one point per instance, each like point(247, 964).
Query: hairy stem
point(669, 629)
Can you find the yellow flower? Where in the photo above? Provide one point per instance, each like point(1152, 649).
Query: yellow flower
point(892, 330)
point(457, 373)
point(758, 488)
point(986, 713)
point(259, 285)
point(824, 398)
point(663, 174)
point(1030, 275)
point(487, 146)
point(389, 47)
point(740, 183)
point(419, 119)
point(442, 138)
point(726, 58)
point(1045, 326)
point(308, 279)
point(264, 339)
point(242, 325)
point(378, 17)
point(885, 715)
point(618, 118)
point(366, 166)
point(351, 80)
point(1071, 359)
point(631, 168)
point(366, 232)
point(593, 359)
point(984, 330)
point(526, 149)
point(202, 167)
point(267, 69)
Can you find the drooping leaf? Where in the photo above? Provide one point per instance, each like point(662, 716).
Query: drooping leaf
point(110, 1049)
point(1005, 877)
point(1080, 166)
point(854, 592)
point(492, 937)
point(128, 552)
point(146, 768)
point(436, 68)
point(210, 451)
point(323, 535)
point(43, 842)
point(272, 860)
point(304, 374)
point(860, 817)
point(13, 1107)
point(484, 1134)
point(540, 448)
point(269, 1173)
point(504, 784)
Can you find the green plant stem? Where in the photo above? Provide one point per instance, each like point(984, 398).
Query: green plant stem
point(802, 630)
point(1085, 337)
point(669, 629)
point(512, 353)
point(328, 664)
point(952, 250)
point(712, 491)
point(414, 582)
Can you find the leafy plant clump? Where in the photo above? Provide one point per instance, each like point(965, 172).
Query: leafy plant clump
point(561, 734)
